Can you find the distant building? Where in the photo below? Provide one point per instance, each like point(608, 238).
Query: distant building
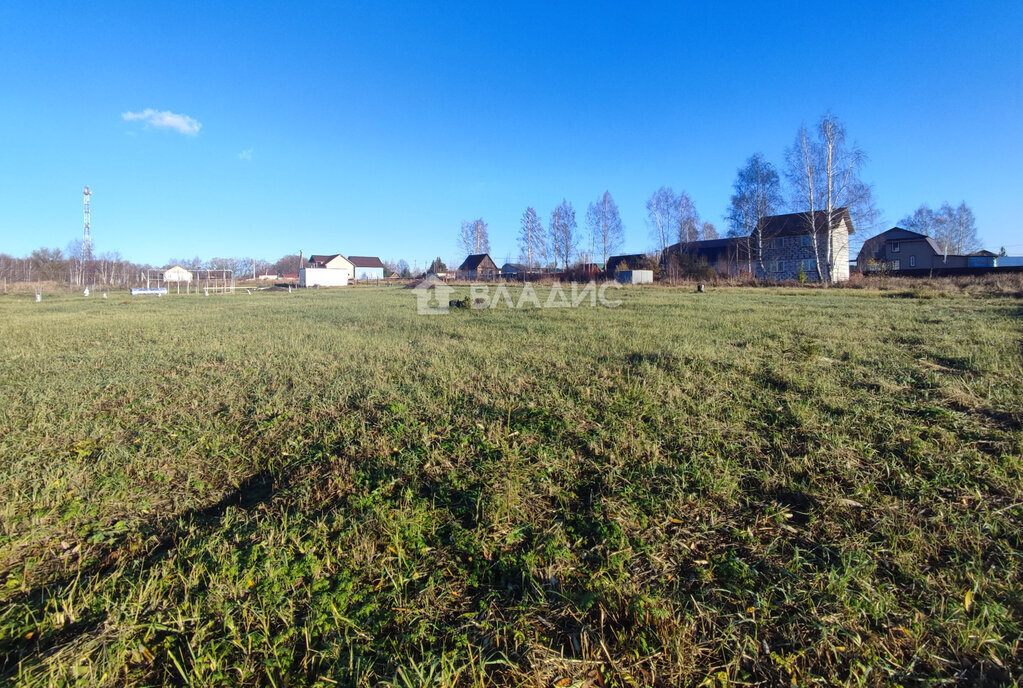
point(513, 270)
point(323, 277)
point(177, 274)
point(635, 276)
point(478, 267)
point(982, 259)
point(367, 267)
point(332, 262)
point(787, 244)
point(626, 262)
point(900, 250)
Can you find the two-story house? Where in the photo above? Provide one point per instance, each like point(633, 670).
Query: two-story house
point(900, 250)
point(782, 247)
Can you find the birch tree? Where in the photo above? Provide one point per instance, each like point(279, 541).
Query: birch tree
point(922, 221)
point(953, 229)
point(824, 173)
point(564, 238)
point(660, 209)
point(756, 194)
point(532, 243)
point(480, 236)
point(474, 237)
point(687, 220)
point(605, 225)
point(465, 239)
point(961, 234)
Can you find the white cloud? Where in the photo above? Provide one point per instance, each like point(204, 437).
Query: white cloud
point(245, 154)
point(165, 119)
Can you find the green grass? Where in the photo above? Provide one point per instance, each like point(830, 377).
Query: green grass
point(744, 487)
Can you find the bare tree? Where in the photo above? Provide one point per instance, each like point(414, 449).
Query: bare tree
point(474, 238)
point(922, 221)
point(284, 265)
point(687, 220)
point(708, 231)
point(480, 236)
point(953, 229)
point(564, 239)
point(962, 234)
point(532, 243)
point(825, 176)
point(76, 254)
point(465, 238)
point(756, 195)
point(660, 209)
point(605, 225)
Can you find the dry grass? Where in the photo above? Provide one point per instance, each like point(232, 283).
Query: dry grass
point(744, 487)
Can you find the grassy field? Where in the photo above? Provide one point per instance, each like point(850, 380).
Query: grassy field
point(743, 487)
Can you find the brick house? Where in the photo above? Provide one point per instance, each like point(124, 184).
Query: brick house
point(788, 248)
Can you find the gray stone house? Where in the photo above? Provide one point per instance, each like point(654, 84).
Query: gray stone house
point(788, 248)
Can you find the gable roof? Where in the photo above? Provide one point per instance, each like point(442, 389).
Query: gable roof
point(708, 244)
point(324, 260)
point(900, 234)
point(519, 267)
point(475, 260)
point(317, 258)
point(633, 260)
point(711, 250)
point(365, 261)
point(795, 224)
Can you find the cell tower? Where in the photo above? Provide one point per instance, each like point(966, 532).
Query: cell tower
point(87, 237)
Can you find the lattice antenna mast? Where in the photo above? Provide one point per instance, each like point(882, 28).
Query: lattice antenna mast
point(87, 237)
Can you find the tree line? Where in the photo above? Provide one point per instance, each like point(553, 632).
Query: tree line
point(56, 265)
point(111, 269)
point(560, 243)
point(822, 176)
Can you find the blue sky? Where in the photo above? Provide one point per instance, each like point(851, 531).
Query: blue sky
point(376, 129)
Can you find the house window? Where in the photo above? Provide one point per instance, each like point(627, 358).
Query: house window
point(894, 247)
point(808, 265)
point(912, 261)
point(806, 240)
point(896, 265)
point(779, 266)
